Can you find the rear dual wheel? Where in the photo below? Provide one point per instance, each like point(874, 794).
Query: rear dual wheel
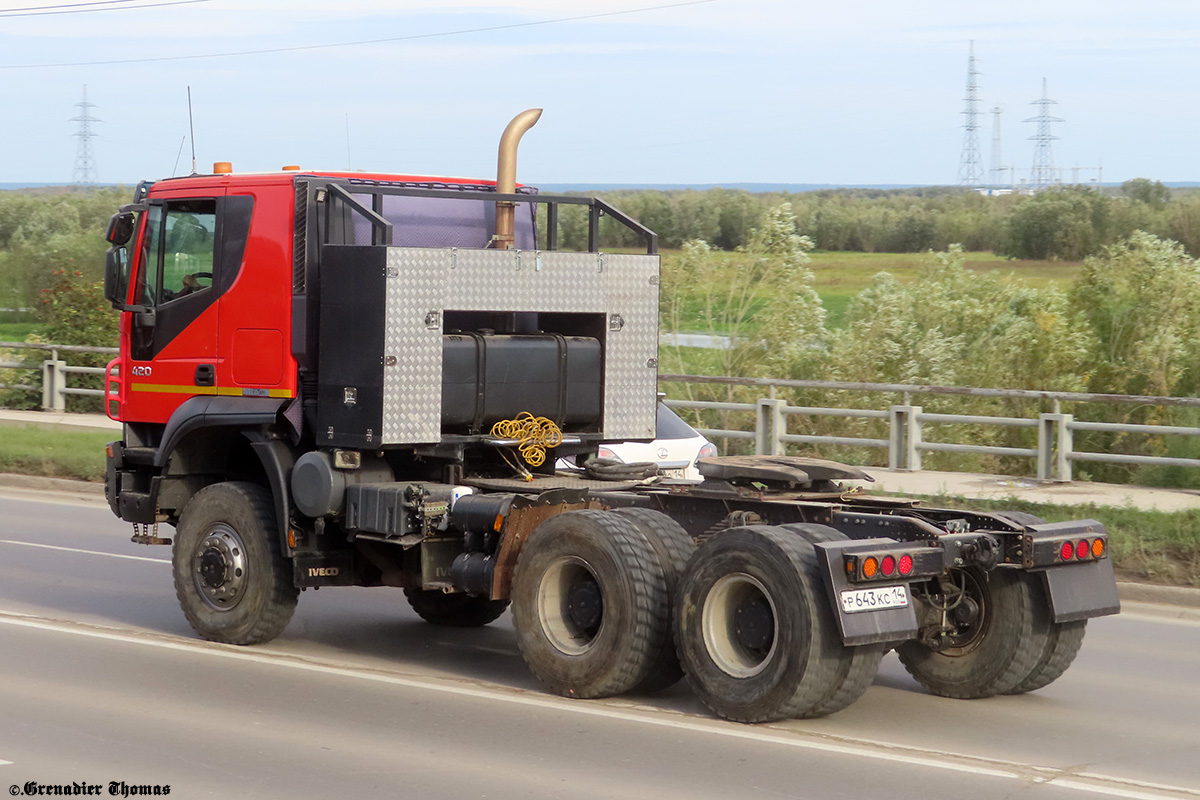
point(754, 630)
point(993, 649)
point(672, 547)
point(859, 664)
point(590, 604)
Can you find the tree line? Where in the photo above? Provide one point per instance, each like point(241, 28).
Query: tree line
point(1067, 223)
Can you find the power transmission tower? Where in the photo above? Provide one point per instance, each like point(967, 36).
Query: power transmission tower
point(1043, 173)
point(997, 171)
point(85, 165)
point(970, 170)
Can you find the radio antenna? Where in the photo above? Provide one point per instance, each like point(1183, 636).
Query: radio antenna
point(191, 130)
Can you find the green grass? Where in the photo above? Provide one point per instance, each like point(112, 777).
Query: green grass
point(842, 275)
point(1150, 546)
point(57, 453)
point(17, 331)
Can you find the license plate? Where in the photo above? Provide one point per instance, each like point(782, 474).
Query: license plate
point(672, 473)
point(877, 599)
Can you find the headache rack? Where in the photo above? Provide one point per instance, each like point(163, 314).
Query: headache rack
point(342, 200)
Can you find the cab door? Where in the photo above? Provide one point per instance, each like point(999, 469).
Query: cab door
point(173, 345)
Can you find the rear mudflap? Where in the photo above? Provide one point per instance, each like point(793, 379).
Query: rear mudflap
point(1082, 590)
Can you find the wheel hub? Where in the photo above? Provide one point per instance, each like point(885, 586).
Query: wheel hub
point(739, 625)
point(585, 605)
point(219, 568)
point(967, 615)
point(754, 624)
point(570, 606)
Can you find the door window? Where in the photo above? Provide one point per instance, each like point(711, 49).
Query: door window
point(178, 251)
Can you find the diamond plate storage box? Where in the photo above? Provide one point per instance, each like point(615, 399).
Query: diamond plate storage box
point(388, 314)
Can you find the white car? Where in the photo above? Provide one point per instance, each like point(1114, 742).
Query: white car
point(676, 450)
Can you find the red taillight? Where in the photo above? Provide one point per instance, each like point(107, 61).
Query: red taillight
point(709, 450)
point(906, 564)
point(887, 566)
point(1068, 551)
point(1083, 549)
point(604, 452)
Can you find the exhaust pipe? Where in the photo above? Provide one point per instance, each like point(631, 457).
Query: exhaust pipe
point(506, 176)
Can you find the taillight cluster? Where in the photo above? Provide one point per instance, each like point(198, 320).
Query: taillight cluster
point(1082, 549)
point(879, 567)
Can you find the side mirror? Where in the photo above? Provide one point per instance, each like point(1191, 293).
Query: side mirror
point(116, 275)
point(120, 228)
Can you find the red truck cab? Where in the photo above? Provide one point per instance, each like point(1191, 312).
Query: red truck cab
point(208, 271)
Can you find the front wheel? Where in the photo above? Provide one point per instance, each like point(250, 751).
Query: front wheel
point(231, 577)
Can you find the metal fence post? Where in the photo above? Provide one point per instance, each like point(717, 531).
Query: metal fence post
point(53, 382)
point(1045, 447)
point(1056, 440)
point(768, 427)
point(903, 438)
point(1066, 445)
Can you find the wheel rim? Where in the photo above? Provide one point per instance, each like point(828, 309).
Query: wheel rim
point(966, 637)
point(570, 605)
point(739, 625)
point(219, 568)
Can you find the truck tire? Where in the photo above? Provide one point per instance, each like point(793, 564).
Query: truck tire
point(589, 604)
point(456, 610)
point(751, 626)
point(1063, 639)
point(990, 656)
point(673, 547)
point(860, 663)
point(231, 577)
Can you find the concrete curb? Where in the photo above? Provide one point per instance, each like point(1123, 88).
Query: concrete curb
point(1184, 596)
point(43, 484)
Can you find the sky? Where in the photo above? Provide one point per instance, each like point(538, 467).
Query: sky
point(634, 91)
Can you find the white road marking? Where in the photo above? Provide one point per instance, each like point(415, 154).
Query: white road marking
point(4, 763)
point(639, 714)
point(86, 552)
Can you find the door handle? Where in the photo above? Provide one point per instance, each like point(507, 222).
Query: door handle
point(206, 375)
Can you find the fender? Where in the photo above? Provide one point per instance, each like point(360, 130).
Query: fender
point(215, 411)
point(277, 460)
point(248, 416)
